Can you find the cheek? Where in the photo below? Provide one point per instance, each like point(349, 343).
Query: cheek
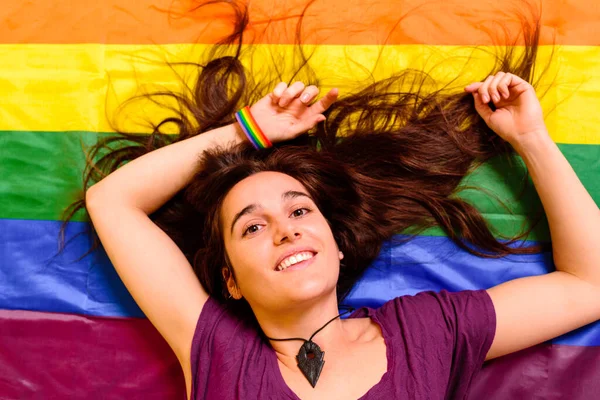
point(323, 230)
point(250, 256)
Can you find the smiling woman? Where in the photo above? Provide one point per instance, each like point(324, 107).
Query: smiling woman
point(236, 248)
point(288, 224)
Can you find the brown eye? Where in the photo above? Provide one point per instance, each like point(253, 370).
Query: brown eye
point(251, 229)
point(300, 212)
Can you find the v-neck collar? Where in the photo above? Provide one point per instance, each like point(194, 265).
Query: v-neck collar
point(375, 389)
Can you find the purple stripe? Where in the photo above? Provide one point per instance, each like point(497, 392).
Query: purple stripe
point(66, 356)
point(52, 355)
point(542, 372)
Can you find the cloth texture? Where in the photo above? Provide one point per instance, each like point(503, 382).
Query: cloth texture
point(436, 343)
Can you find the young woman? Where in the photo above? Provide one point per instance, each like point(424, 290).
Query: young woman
point(240, 252)
point(272, 240)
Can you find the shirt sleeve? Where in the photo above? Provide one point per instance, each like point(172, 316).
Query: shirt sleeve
point(222, 343)
point(446, 335)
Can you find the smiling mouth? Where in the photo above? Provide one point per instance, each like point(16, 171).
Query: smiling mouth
point(297, 261)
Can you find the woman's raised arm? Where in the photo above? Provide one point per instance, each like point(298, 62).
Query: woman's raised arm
point(152, 267)
point(534, 309)
point(150, 264)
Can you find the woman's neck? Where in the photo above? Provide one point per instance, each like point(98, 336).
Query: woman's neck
point(303, 322)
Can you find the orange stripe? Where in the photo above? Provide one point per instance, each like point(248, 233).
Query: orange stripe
point(444, 22)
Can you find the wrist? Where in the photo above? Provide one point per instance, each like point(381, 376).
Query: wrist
point(251, 129)
point(238, 133)
point(226, 135)
point(531, 141)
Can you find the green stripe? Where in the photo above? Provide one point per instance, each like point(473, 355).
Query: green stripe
point(41, 174)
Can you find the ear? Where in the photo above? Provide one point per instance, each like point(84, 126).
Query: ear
point(230, 282)
point(340, 253)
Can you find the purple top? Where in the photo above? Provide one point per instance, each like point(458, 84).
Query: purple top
point(436, 344)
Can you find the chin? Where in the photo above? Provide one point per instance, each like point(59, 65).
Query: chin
point(310, 290)
point(310, 284)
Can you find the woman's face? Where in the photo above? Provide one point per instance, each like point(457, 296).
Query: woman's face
point(266, 218)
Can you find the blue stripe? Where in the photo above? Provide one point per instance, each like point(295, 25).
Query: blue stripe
point(32, 279)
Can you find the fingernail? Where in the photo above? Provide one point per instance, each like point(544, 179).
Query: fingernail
point(305, 97)
point(496, 98)
point(485, 98)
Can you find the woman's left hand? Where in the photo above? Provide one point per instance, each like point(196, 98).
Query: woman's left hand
point(518, 111)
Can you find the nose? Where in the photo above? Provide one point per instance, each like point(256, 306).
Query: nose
point(287, 232)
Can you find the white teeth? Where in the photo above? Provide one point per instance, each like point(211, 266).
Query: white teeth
point(294, 260)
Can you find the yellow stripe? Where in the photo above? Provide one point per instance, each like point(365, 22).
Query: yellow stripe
point(73, 87)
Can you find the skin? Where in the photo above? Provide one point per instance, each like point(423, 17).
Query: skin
point(295, 301)
point(262, 236)
point(529, 310)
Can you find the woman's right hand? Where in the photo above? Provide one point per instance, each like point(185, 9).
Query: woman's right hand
point(287, 112)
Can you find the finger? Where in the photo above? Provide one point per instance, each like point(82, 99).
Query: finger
point(308, 123)
point(483, 89)
point(291, 93)
point(493, 88)
point(325, 102)
point(473, 87)
point(518, 85)
point(309, 94)
point(483, 109)
point(516, 80)
point(278, 91)
point(503, 86)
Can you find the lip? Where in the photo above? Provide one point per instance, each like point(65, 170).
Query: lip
point(291, 253)
point(301, 265)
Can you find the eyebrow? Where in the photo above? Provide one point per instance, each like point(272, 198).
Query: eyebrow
point(290, 194)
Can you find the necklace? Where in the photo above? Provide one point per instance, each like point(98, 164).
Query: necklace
point(310, 356)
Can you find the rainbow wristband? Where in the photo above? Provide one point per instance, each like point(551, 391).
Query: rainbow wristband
point(251, 129)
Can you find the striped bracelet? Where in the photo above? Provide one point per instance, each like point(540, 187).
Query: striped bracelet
point(251, 129)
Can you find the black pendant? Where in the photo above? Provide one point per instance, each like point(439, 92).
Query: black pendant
point(310, 361)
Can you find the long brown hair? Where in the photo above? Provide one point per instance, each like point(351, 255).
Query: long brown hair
point(388, 159)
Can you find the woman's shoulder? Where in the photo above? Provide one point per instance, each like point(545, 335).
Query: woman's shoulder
point(444, 300)
point(219, 322)
point(415, 312)
point(225, 338)
point(443, 337)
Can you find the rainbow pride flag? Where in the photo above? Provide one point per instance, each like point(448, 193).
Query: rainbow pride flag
point(69, 328)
